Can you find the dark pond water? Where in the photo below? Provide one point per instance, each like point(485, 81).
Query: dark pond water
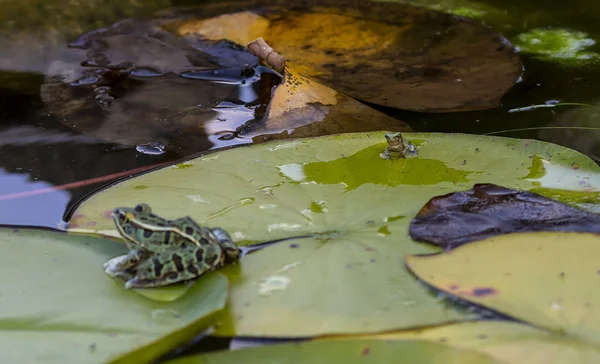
point(48, 167)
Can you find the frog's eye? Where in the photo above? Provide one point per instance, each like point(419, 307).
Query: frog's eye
point(119, 215)
point(142, 208)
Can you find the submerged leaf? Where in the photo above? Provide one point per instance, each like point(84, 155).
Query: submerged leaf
point(348, 351)
point(357, 206)
point(488, 210)
point(58, 306)
point(301, 107)
point(388, 54)
point(542, 278)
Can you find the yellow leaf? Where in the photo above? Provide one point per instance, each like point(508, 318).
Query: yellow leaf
point(508, 342)
point(548, 279)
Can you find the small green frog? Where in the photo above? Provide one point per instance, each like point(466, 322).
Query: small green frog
point(398, 147)
point(165, 251)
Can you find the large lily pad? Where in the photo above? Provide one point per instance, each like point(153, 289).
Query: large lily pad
point(350, 276)
point(58, 306)
point(543, 278)
point(348, 351)
point(389, 54)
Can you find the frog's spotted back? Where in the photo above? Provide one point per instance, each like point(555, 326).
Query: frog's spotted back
point(166, 251)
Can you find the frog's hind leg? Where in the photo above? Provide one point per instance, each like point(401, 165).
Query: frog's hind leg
point(117, 266)
point(177, 266)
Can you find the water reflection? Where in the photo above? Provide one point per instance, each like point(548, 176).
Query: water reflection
point(43, 167)
point(101, 115)
point(27, 210)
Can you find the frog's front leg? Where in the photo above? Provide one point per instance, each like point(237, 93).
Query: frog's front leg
point(232, 251)
point(177, 266)
point(117, 266)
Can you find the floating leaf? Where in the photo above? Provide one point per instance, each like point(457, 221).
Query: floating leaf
point(508, 342)
point(301, 107)
point(488, 210)
point(388, 54)
point(350, 276)
point(542, 278)
point(58, 306)
point(349, 351)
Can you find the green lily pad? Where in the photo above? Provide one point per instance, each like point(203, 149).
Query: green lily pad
point(58, 306)
point(347, 351)
point(350, 276)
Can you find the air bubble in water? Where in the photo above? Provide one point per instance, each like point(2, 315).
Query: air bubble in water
point(145, 72)
point(151, 148)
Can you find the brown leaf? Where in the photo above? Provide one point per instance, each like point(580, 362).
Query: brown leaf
point(301, 107)
point(488, 210)
point(384, 53)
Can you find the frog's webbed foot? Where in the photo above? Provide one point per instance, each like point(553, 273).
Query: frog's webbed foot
point(111, 267)
point(116, 267)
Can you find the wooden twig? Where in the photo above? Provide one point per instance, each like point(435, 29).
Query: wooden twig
point(267, 54)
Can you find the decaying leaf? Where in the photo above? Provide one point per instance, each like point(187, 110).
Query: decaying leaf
point(384, 53)
point(304, 108)
point(488, 210)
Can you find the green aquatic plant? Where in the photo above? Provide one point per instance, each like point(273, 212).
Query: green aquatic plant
point(557, 44)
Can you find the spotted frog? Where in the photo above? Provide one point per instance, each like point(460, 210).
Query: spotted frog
point(162, 251)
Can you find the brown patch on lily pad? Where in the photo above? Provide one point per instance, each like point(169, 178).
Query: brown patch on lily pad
point(488, 210)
